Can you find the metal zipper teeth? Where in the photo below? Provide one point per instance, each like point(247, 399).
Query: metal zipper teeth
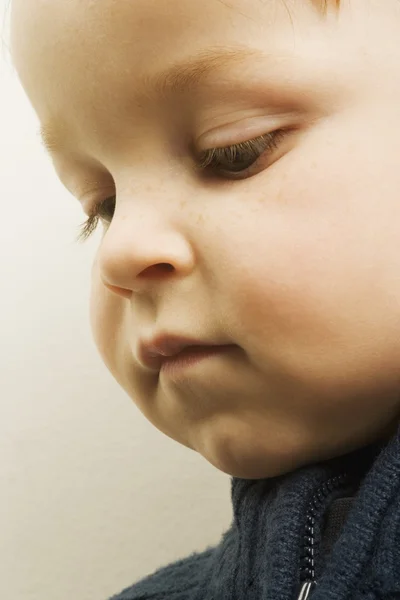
point(307, 570)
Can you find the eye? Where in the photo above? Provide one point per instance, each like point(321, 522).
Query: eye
point(231, 162)
point(102, 211)
point(234, 162)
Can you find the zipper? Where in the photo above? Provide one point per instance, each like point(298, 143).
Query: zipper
point(315, 512)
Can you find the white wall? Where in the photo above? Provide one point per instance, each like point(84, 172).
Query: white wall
point(92, 496)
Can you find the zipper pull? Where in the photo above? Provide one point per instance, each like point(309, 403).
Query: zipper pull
point(306, 590)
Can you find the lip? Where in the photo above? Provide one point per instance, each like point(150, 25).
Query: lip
point(174, 366)
point(153, 353)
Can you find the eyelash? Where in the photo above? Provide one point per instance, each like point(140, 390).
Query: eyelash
point(250, 150)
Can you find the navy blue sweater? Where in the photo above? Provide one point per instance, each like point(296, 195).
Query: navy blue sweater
point(329, 531)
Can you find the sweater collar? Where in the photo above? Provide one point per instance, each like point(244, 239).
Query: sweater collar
point(268, 526)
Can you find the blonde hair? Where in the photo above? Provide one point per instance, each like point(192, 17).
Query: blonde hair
point(322, 5)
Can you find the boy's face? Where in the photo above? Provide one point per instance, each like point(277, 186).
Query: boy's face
point(294, 261)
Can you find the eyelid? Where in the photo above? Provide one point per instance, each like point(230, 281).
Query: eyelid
point(93, 196)
point(261, 149)
point(239, 131)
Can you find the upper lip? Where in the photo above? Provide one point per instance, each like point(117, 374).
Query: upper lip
point(152, 352)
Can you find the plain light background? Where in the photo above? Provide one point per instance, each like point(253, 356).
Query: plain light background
point(93, 497)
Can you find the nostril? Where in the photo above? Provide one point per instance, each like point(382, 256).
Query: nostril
point(156, 271)
point(161, 268)
point(167, 267)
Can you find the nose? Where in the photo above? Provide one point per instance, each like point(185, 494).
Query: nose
point(136, 255)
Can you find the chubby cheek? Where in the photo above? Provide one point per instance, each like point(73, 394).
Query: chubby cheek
point(112, 334)
point(285, 299)
point(105, 320)
point(313, 277)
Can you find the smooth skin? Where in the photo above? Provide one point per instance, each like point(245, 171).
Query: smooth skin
point(295, 261)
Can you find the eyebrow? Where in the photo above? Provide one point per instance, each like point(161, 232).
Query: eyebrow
point(180, 77)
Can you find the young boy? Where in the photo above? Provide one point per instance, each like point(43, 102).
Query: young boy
point(243, 157)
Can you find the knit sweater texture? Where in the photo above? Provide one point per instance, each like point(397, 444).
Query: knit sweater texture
point(266, 551)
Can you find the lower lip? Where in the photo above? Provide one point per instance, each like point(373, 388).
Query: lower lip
point(191, 356)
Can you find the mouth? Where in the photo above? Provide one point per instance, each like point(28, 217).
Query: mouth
point(190, 356)
point(165, 351)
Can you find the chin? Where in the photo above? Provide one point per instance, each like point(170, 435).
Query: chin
point(249, 458)
point(262, 471)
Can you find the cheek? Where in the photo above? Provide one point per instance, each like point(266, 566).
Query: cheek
point(97, 311)
point(105, 314)
point(316, 259)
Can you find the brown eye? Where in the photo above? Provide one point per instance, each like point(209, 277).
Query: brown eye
point(237, 159)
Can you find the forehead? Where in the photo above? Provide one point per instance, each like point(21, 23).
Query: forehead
point(59, 33)
point(179, 78)
point(78, 55)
